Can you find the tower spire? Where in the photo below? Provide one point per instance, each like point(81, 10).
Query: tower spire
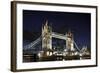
point(46, 22)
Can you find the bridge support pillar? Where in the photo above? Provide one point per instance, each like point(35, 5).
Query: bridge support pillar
point(69, 42)
point(46, 37)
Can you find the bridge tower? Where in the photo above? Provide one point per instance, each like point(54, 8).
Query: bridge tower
point(46, 37)
point(70, 42)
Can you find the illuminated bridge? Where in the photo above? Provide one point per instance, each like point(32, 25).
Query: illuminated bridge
point(47, 50)
point(55, 35)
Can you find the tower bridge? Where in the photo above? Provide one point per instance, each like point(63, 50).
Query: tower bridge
point(46, 38)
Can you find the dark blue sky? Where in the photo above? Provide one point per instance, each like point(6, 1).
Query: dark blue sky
point(61, 22)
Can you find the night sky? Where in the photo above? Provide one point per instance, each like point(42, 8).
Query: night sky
point(61, 22)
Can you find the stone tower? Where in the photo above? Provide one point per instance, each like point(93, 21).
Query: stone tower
point(70, 41)
point(46, 37)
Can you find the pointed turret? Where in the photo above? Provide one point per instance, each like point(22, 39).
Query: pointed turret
point(69, 34)
point(46, 23)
